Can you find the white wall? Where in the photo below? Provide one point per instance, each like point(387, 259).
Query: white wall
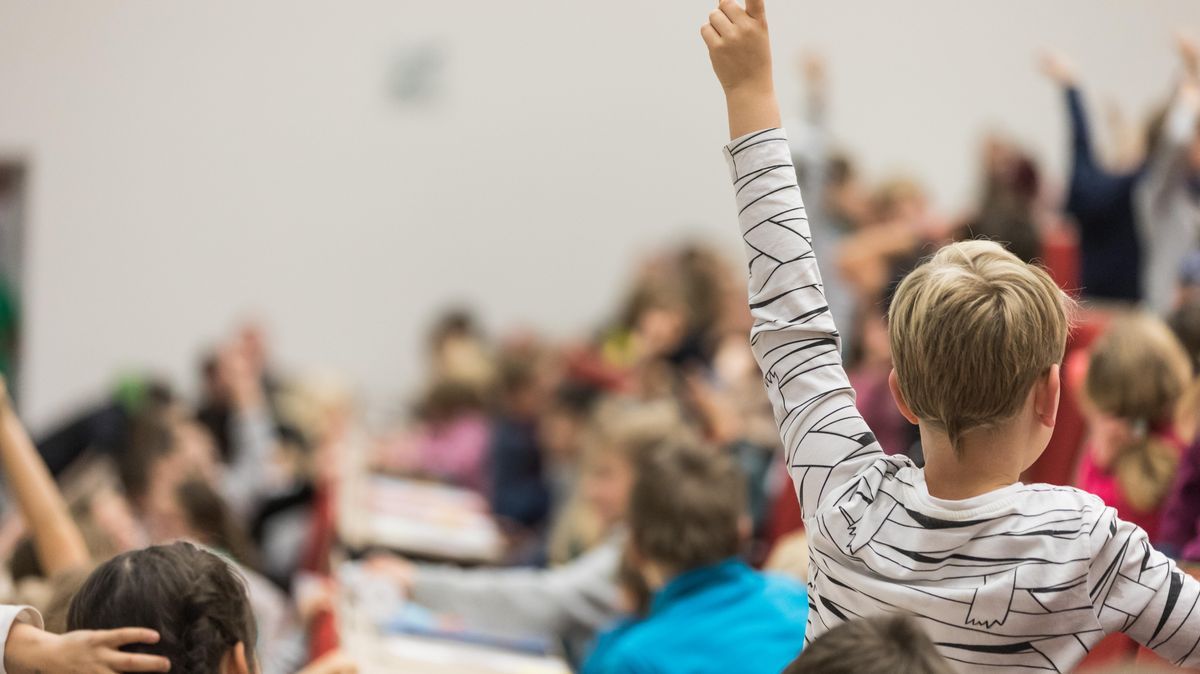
point(195, 161)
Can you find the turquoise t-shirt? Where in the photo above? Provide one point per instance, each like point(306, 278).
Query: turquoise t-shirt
point(715, 620)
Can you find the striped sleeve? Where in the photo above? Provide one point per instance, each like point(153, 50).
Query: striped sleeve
point(1137, 590)
point(794, 338)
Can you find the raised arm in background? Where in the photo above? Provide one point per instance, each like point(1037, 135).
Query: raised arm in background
point(811, 150)
point(1062, 73)
point(57, 539)
point(794, 337)
point(1168, 211)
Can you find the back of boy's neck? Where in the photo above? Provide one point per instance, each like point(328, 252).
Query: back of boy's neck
point(980, 466)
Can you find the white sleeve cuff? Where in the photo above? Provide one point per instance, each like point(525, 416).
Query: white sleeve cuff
point(11, 615)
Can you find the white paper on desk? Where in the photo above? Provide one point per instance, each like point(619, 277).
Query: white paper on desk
point(469, 658)
point(376, 598)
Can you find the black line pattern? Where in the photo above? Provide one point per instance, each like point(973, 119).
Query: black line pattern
point(1026, 577)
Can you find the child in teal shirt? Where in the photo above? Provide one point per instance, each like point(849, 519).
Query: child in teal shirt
point(709, 611)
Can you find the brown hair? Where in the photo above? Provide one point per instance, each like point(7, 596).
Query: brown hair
point(628, 428)
point(880, 645)
point(1139, 373)
point(686, 505)
point(971, 330)
point(209, 518)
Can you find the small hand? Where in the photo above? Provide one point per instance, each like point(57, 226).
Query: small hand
point(1189, 51)
point(396, 569)
point(812, 66)
point(1058, 68)
point(739, 46)
point(740, 50)
point(30, 649)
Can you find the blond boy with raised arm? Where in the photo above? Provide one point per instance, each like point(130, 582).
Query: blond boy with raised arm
point(998, 573)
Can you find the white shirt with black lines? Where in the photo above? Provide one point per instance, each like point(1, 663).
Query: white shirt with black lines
point(1024, 577)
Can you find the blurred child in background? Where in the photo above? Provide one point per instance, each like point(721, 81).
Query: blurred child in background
point(706, 610)
point(569, 602)
point(1137, 376)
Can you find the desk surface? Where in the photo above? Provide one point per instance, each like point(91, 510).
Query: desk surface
point(419, 519)
point(421, 655)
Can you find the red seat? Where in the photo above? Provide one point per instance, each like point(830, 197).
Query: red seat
point(323, 634)
point(1057, 464)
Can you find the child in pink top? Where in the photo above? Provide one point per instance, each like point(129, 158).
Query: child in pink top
point(1133, 382)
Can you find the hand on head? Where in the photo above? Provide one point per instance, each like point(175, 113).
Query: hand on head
point(30, 649)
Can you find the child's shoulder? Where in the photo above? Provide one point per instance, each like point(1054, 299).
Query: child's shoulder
point(782, 583)
point(1041, 501)
point(1041, 492)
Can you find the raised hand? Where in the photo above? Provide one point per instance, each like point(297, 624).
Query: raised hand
point(812, 67)
point(739, 46)
point(1189, 52)
point(740, 49)
point(1056, 66)
point(30, 650)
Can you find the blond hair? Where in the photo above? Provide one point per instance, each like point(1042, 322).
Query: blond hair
point(971, 330)
point(1139, 373)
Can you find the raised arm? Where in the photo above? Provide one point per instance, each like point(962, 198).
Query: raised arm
point(1167, 165)
point(810, 151)
point(794, 337)
point(1062, 73)
point(579, 595)
point(56, 538)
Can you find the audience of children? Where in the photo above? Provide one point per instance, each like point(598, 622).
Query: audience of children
point(634, 473)
point(571, 601)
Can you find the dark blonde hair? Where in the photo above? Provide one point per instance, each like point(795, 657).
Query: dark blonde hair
point(1139, 373)
point(971, 330)
point(880, 645)
point(686, 506)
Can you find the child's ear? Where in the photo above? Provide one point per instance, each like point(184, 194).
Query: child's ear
point(894, 386)
point(1046, 393)
point(235, 661)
